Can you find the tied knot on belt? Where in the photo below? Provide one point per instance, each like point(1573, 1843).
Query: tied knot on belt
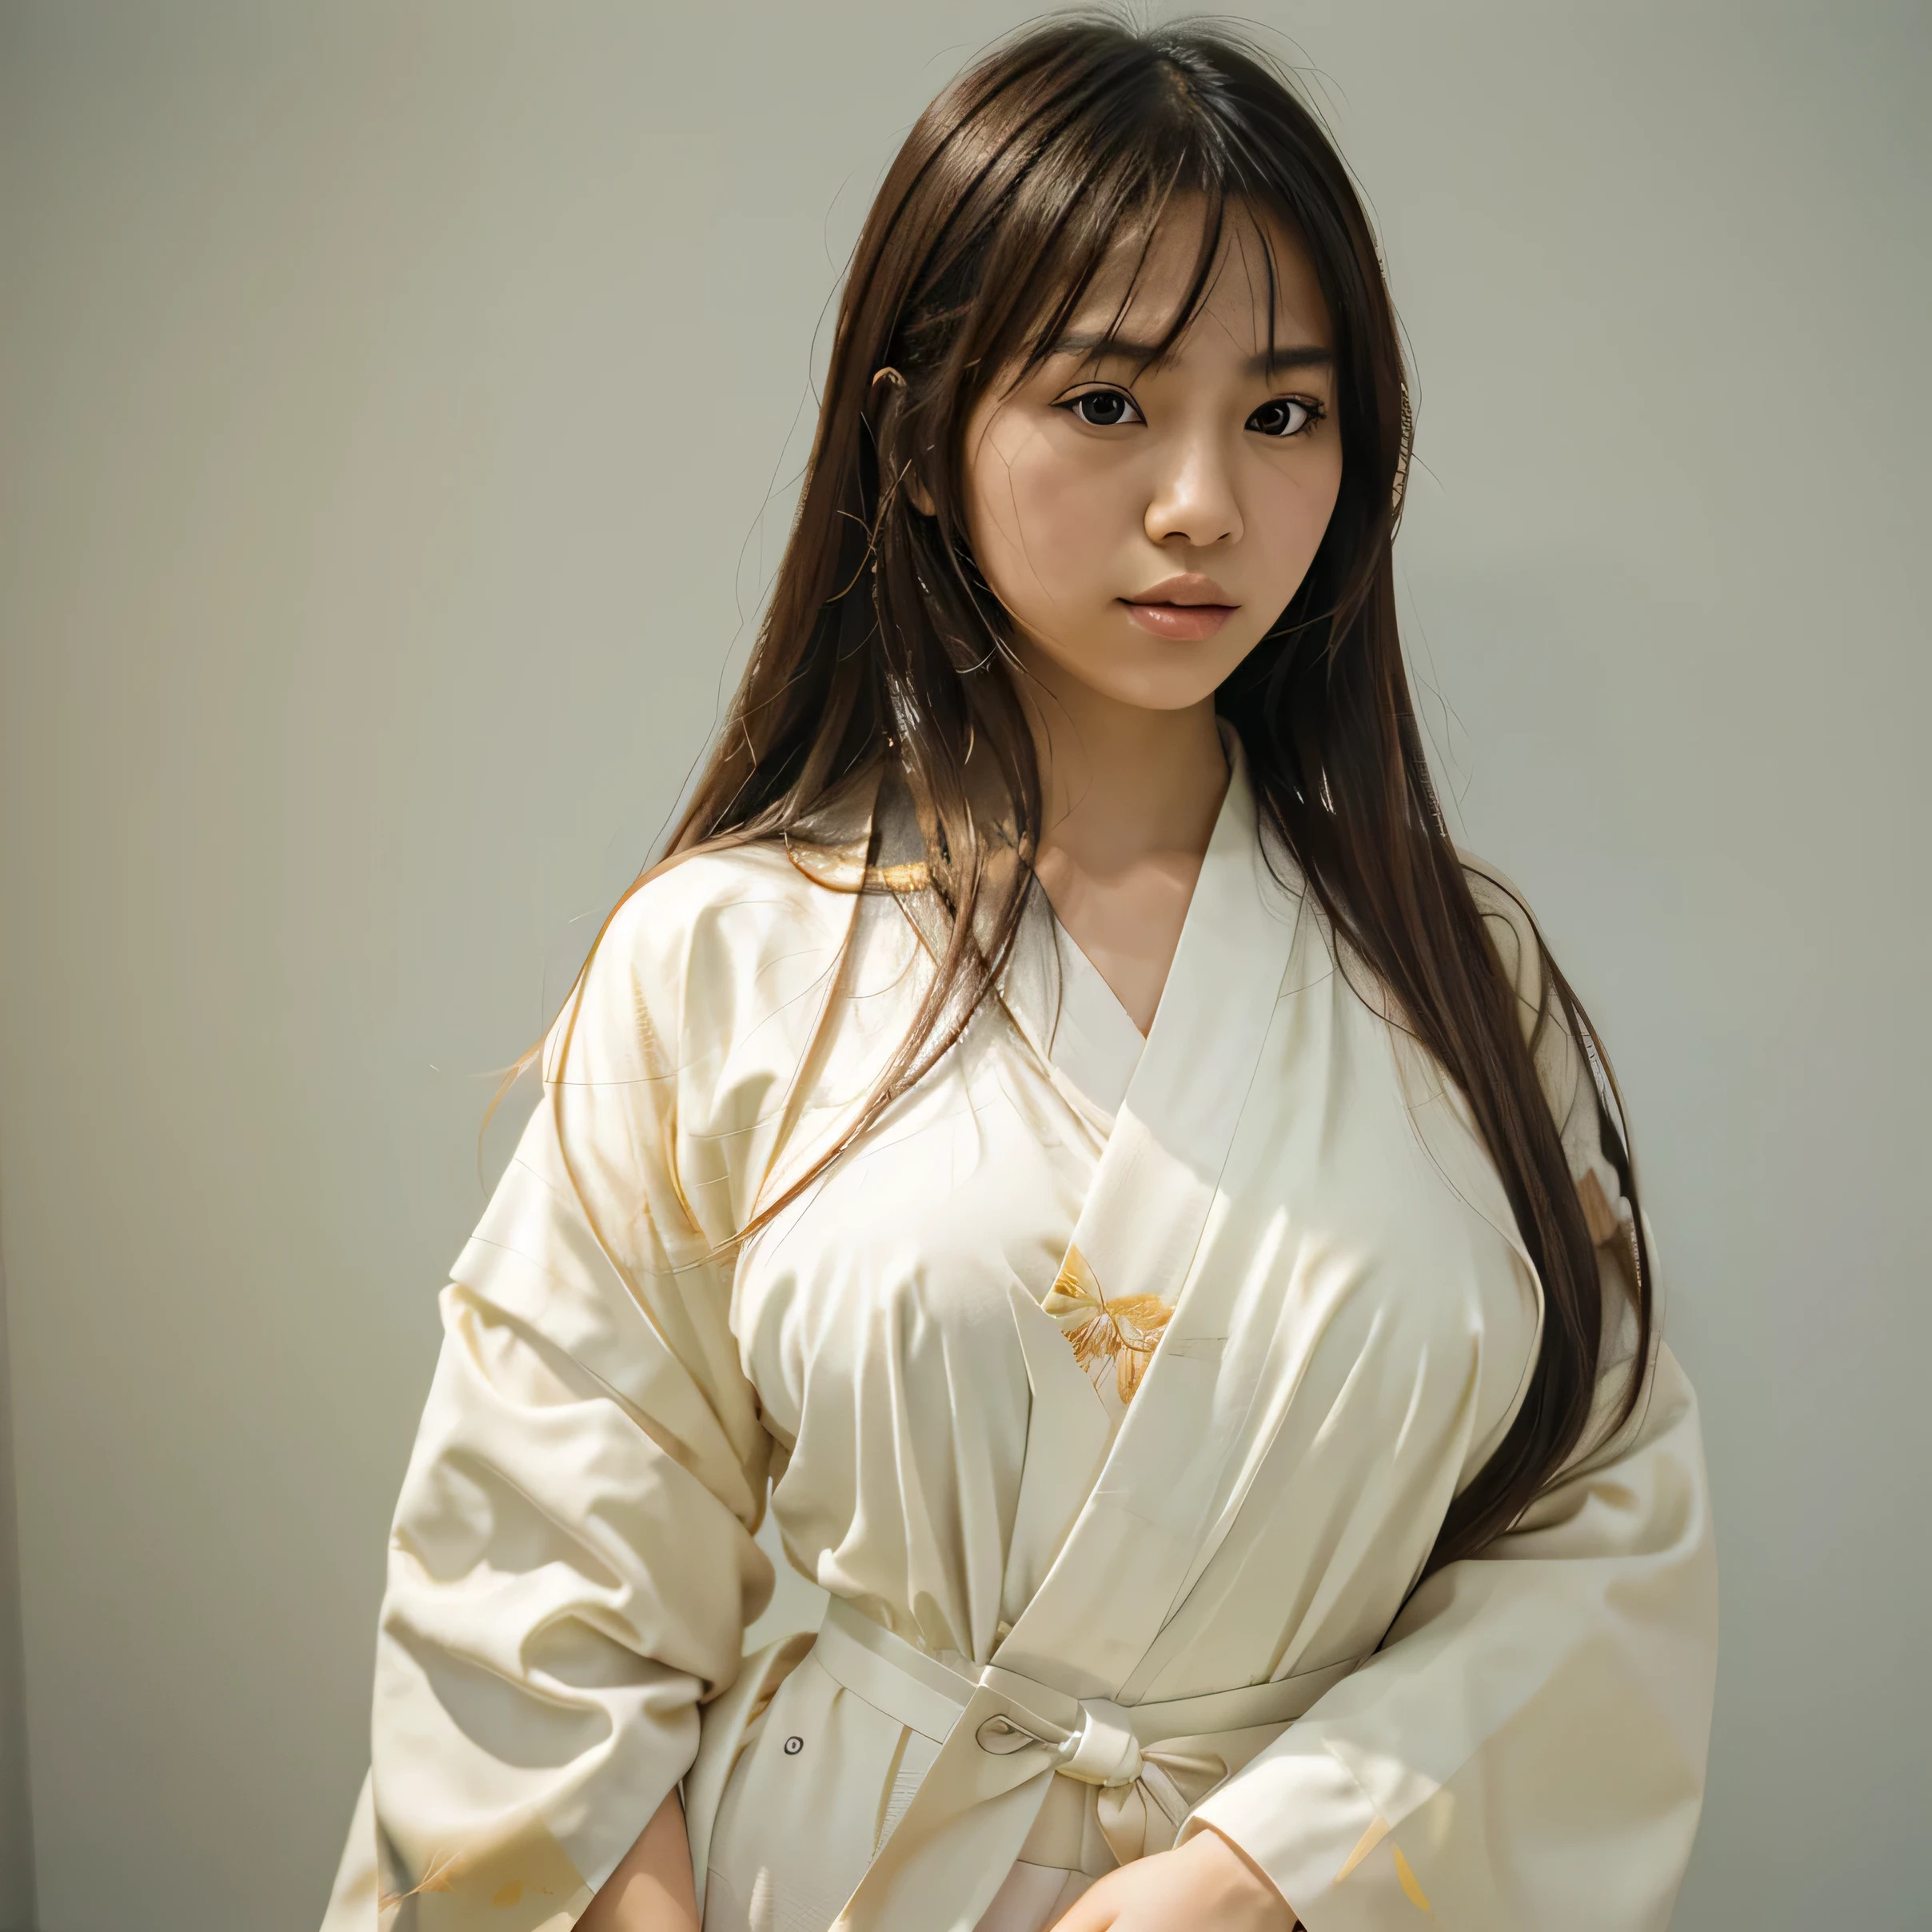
point(1143, 1789)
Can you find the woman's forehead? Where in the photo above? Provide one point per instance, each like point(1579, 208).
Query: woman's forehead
point(1259, 280)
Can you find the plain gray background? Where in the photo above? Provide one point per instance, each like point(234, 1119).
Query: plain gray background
point(398, 409)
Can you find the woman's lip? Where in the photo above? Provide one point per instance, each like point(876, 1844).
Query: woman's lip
point(1184, 587)
point(1184, 623)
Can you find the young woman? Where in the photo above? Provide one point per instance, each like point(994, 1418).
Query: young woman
point(1066, 1120)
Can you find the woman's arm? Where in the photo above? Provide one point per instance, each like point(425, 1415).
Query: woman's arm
point(573, 1563)
point(1528, 1748)
point(652, 1891)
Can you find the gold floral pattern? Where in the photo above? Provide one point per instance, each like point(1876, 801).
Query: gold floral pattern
point(1125, 1331)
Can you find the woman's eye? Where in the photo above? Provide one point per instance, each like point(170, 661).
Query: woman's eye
point(1104, 409)
point(1285, 416)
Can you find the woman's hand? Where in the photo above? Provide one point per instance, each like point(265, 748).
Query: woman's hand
point(1206, 1885)
point(652, 1891)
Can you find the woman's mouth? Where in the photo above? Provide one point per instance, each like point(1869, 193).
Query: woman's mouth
point(1185, 623)
point(1184, 608)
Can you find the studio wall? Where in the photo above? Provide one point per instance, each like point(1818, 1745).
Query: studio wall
point(400, 407)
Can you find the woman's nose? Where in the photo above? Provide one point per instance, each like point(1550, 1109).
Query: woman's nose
point(1194, 501)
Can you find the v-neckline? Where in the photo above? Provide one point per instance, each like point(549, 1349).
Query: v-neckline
point(1096, 1045)
point(1230, 751)
point(1132, 1249)
point(1091, 977)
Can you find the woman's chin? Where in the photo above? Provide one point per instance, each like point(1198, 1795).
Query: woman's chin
point(1126, 665)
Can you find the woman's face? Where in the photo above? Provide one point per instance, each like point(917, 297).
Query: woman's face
point(1145, 523)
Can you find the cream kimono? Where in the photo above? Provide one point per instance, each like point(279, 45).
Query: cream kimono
point(1115, 1394)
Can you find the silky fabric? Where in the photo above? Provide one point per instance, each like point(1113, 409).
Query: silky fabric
point(1121, 1403)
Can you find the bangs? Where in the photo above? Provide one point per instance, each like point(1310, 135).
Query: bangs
point(1231, 230)
point(1085, 210)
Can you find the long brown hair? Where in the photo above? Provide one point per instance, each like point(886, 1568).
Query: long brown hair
point(882, 650)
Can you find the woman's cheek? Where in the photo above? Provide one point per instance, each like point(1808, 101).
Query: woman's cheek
point(1063, 521)
point(1297, 513)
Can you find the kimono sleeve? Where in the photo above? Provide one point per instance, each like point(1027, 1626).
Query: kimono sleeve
point(1526, 1748)
point(572, 1564)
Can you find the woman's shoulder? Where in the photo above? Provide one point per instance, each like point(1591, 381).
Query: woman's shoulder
point(742, 906)
point(1562, 1061)
point(752, 882)
point(1512, 929)
point(716, 945)
point(780, 891)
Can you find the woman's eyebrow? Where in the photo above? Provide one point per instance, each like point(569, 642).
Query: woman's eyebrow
point(1148, 355)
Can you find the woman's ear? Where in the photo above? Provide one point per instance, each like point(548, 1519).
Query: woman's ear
point(882, 407)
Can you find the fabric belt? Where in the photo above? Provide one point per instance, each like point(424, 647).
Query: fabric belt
point(1002, 1739)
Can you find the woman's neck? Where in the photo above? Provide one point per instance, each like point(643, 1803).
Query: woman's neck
point(1131, 796)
